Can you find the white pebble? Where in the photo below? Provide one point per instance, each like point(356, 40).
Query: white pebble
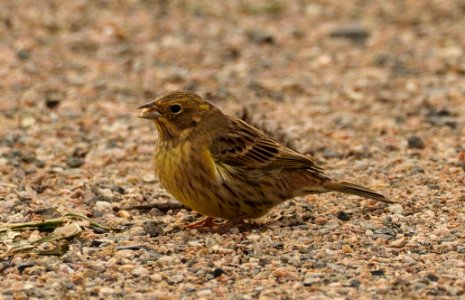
point(396, 208)
point(103, 206)
point(204, 293)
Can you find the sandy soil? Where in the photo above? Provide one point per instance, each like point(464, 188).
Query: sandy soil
point(375, 90)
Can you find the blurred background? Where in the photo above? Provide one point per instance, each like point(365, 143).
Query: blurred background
point(75, 72)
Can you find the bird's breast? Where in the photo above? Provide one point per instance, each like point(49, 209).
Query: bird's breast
point(188, 174)
point(169, 160)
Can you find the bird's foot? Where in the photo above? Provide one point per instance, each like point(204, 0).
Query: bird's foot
point(237, 223)
point(211, 224)
point(207, 222)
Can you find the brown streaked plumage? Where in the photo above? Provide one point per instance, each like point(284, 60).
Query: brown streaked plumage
point(223, 167)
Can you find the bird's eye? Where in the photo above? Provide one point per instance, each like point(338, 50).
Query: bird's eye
point(175, 108)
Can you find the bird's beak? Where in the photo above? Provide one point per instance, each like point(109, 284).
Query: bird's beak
point(149, 111)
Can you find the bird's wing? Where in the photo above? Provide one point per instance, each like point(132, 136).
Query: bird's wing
point(242, 146)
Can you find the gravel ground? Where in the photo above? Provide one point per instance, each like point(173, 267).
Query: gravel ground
point(375, 90)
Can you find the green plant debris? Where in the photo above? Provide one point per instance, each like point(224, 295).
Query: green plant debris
point(63, 230)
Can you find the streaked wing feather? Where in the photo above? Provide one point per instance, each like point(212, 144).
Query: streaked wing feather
point(243, 146)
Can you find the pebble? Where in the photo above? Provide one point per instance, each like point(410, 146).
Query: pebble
point(195, 244)
point(156, 277)
point(378, 272)
point(346, 249)
point(311, 278)
point(23, 54)
point(414, 142)
point(355, 283)
point(177, 278)
point(343, 216)
point(441, 117)
point(149, 178)
point(354, 32)
point(22, 266)
point(103, 206)
point(260, 37)
point(204, 293)
point(396, 208)
point(65, 268)
point(432, 277)
point(253, 237)
point(124, 214)
point(368, 232)
point(321, 220)
point(218, 272)
point(75, 162)
point(166, 259)
point(153, 228)
point(399, 243)
point(408, 260)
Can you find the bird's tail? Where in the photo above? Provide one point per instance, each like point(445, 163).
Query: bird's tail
point(355, 189)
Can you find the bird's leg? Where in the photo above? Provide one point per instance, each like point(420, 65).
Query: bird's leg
point(236, 222)
point(207, 222)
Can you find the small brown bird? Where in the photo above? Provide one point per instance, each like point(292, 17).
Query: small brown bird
point(223, 167)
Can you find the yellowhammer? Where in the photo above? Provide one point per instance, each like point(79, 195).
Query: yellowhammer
point(223, 167)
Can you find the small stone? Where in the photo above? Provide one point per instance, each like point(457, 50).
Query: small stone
point(355, 283)
point(409, 260)
point(218, 272)
point(441, 117)
point(155, 212)
point(414, 142)
point(166, 259)
point(311, 278)
point(21, 267)
point(387, 221)
point(432, 277)
point(23, 54)
point(38, 188)
point(204, 293)
point(260, 37)
point(28, 157)
point(343, 216)
point(40, 163)
point(379, 272)
point(140, 271)
point(105, 292)
point(156, 277)
point(434, 186)
point(396, 208)
point(75, 162)
point(321, 220)
point(152, 228)
point(253, 237)
point(103, 206)
point(66, 269)
point(118, 189)
point(346, 249)
point(52, 102)
point(106, 194)
point(27, 121)
point(399, 243)
point(177, 278)
point(124, 214)
point(330, 154)
point(149, 178)
point(353, 32)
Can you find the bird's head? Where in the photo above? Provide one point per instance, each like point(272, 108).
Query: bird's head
point(177, 114)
